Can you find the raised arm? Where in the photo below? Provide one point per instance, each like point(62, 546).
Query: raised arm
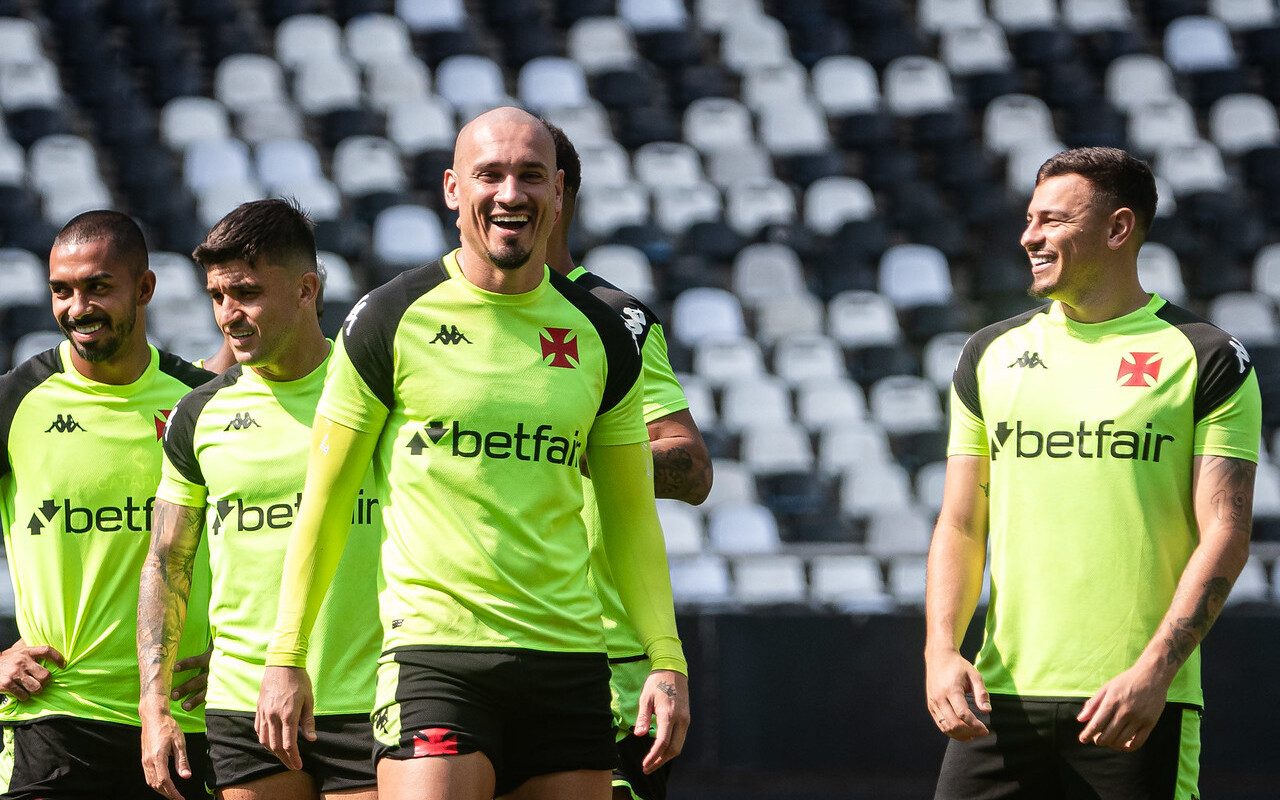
point(162, 611)
point(638, 562)
point(336, 466)
point(1126, 708)
point(681, 463)
point(957, 555)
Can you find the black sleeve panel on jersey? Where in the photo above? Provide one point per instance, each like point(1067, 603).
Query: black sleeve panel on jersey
point(621, 349)
point(1222, 364)
point(184, 371)
point(180, 432)
point(965, 378)
point(15, 385)
point(369, 331)
point(620, 301)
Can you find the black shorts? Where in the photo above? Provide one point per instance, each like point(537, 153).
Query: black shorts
point(340, 758)
point(64, 758)
point(1033, 752)
point(530, 712)
point(630, 771)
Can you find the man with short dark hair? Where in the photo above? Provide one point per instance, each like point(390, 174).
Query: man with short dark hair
point(681, 470)
point(235, 461)
point(477, 384)
point(80, 454)
point(1103, 449)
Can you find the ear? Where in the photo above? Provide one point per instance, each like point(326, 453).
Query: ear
point(146, 287)
point(1123, 225)
point(309, 289)
point(451, 198)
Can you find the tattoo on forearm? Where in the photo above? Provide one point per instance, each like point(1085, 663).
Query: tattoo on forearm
point(165, 587)
point(1233, 479)
point(1186, 632)
point(986, 488)
point(674, 473)
point(666, 688)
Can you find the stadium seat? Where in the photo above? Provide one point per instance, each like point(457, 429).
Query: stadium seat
point(322, 85)
point(681, 527)
point(769, 580)
point(406, 236)
point(1020, 16)
point(723, 360)
point(756, 400)
point(783, 316)
point(303, 37)
point(831, 202)
point(705, 313)
point(852, 584)
point(764, 85)
point(861, 318)
point(752, 205)
point(419, 126)
point(471, 83)
point(1242, 122)
point(1198, 43)
point(1137, 79)
point(678, 208)
point(941, 353)
point(1160, 272)
point(826, 403)
point(647, 16)
point(600, 44)
point(930, 480)
point(393, 82)
point(1266, 271)
point(907, 581)
point(733, 484)
point(975, 49)
point(1249, 316)
point(625, 267)
point(773, 448)
point(432, 16)
point(766, 270)
point(742, 529)
point(1014, 118)
point(269, 120)
point(365, 164)
point(667, 164)
point(728, 165)
point(604, 164)
point(915, 275)
point(714, 123)
point(370, 38)
point(585, 125)
point(905, 404)
point(551, 82)
point(804, 358)
point(701, 580)
point(915, 85)
point(24, 279)
point(1192, 167)
point(19, 41)
point(1086, 17)
point(185, 119)
point(245, 80)
point(602, 211)
point(1245, 15)
point(898, 532)
point(868, 488)
point(747, 40)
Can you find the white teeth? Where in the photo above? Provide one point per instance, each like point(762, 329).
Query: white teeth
point(88, 328)
point(510, 217)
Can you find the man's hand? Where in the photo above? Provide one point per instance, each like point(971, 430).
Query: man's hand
point(666, 696)
point(1123, 712)
point(285, 705)
point(194, 688)
point(948, 678)
point(162, 739)
point(22, 674)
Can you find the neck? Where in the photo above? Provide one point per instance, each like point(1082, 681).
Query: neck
point(308, 351)
point(559, 258)
point(525, 278)
point(123, 368)
point(1109, 305)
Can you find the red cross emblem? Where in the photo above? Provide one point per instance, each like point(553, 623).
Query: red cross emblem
point(557, 344)
point(161, 417)
point(1141, 367)
point(435, 742)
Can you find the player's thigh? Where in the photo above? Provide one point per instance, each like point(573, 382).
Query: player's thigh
point(576, 785)
point(1015, 761)
point(350, 794)
point(237, 757)
point(1166, 766)
point(289, 785)
point(629, 780)
point(458, 777)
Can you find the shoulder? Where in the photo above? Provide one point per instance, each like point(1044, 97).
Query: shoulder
point(1223, 364)
point(978, 343)
point(382, 308)
point(29, 374)
point(637, 316)
point(183, 371)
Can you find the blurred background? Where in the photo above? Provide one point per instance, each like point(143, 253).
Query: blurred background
point(821, 198)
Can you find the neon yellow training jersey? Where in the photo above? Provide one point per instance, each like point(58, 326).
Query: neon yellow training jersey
point(662, 396)
point(1091, 430)
point(238, 448)
point(79, 464)
point(484, 404)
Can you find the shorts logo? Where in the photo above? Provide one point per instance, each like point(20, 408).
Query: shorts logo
point(435, 742)
point(557, 344)
point(1137, 367)
point(449, 334)
point(64, 424)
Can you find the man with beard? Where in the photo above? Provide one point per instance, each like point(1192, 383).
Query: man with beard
point(80, 429)
point(477, 384)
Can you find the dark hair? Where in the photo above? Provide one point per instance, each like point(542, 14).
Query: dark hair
point(567, 160)
point(127, 241)
point(273, 231)
point(1119, 180)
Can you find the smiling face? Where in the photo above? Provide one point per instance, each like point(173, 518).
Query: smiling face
point(505, 187)
point(96, 297)
point(261, 310)
point(1067, 239)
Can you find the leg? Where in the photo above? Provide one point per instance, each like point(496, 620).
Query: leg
point(464, 777)
point(281, 786)
point(351, 794)
point(1166, 766)
point(582, 784)
point(629, 780)
point(1013, 762)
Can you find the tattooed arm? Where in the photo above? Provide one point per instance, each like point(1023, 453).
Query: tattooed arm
point(162, 612)
point(1123, 712)
point(681, 463)
point(957, 556)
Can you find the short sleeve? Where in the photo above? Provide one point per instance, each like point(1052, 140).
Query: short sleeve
point(663, 394)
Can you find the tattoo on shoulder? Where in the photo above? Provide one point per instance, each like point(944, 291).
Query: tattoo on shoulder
point(666, 688)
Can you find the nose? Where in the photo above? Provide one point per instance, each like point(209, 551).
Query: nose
point(1032, 235)
point(80, 304)
point(508, 190)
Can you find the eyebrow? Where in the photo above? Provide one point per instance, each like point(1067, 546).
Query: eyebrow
point(96, 276)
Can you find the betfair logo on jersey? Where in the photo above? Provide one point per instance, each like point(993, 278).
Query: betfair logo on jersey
point(1103, 440)
point(250, 518)
point(132, 517)
point(242, 421)
point(1028, 359)
point(540, 445)
point(557, 344)
point(64, 424)
point(449, 334)
point(1137, 368)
